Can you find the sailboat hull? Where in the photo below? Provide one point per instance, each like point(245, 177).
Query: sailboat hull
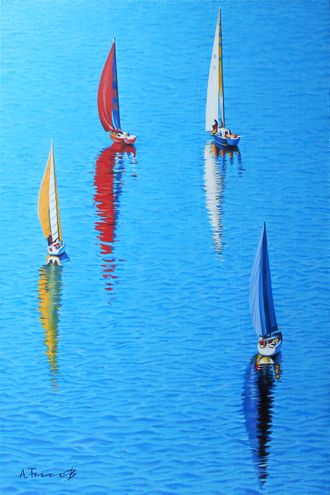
point(57, 260)
point(123, 138)
point(225, 141)
point(270, 347)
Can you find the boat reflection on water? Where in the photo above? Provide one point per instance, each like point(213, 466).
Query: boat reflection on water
point(215, 165)
point(224, 151)
point(50, 291)
point(232, 153)
point(258, 396)
point(214, 186)
point(108, 181)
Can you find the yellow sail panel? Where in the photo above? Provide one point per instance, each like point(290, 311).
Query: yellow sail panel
point(49, 303)
point(43, 202)
point(220, 68)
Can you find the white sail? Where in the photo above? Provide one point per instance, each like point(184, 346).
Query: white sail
point(212, 102)
point(53, 213)
point(213, 187)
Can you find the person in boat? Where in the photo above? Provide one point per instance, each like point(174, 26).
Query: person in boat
point(215, 127)
point(116, 131)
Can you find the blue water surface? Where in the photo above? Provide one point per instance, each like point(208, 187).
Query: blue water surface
point(134, 363)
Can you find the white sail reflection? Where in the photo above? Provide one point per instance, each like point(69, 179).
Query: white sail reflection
point(214, 185)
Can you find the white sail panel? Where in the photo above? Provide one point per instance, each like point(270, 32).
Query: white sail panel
point(212, 102)
point(52, 201)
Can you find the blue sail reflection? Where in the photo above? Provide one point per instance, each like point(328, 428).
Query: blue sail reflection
point(258, 396)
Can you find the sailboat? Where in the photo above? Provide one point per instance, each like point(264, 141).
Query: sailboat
point(108, 101)
point(215, 95)
point(49, 213)
point(261, 302)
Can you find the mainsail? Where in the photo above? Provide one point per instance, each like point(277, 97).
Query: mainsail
point(215, 89)
point(261, 296)
point(48, 206)
point(108, 98)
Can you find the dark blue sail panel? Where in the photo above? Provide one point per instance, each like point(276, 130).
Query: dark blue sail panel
point(115, 97)
point(261, 296)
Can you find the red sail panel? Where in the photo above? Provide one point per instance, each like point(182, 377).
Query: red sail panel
point(106, 91)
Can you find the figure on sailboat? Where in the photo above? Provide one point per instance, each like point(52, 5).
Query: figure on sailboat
point(261, 302)
point(108, 101)
point(215, 94)
point(49, 212)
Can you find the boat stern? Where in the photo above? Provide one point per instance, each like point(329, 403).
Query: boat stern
point(233, 141)
point(225, 137)
point(56, 248)
point(270, 346)
point(123, 137)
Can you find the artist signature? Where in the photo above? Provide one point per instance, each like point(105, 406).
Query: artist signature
point(32, 472)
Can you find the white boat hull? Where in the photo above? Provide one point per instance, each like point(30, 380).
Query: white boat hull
point(270, 347)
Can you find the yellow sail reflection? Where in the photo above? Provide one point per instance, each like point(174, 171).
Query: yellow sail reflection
point(50, 289)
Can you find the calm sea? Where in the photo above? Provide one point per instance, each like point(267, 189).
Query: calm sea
point(134, 363)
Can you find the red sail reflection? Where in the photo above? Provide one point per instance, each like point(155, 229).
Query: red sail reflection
point(108, 186)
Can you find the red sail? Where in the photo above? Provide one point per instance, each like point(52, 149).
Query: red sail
point(107, 99)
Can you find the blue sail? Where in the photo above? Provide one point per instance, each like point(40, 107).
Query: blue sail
point(115, 96)
point(261, 296)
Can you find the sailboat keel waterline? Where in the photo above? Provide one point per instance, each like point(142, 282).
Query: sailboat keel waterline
point(221, 135)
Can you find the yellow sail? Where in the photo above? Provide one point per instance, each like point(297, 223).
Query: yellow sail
point(48, 204)
point(49, 305)
point(43, 203)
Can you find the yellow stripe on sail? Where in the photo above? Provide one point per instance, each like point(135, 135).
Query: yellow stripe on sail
point(43, 202)
point(220, 68)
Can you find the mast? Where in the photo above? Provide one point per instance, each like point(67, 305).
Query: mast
point(220, 75)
